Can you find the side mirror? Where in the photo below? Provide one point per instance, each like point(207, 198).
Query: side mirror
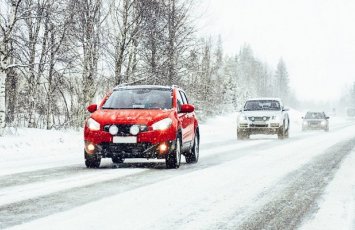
point(187, 108)
point(285, 109)
point(302, 117)
point(92, 108)
point(327, 118)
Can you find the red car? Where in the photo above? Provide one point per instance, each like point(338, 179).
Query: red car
point(142, 122)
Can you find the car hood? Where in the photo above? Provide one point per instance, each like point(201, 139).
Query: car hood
point(261, 113)
point(130, 116)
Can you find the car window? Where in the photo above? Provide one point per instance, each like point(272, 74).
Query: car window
point(139, 99)
point(184, 100)
point(262, 105)
point(179, 100)
point(315, 115)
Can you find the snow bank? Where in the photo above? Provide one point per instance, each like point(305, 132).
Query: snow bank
point(32, 149)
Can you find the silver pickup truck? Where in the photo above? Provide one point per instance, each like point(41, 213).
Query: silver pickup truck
point(263, 116)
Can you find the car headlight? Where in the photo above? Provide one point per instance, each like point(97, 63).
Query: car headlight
point(323, 123)
point(305, 123)
point(163, 124)
point(93, 125)
point(243, 118)
point(276, 118)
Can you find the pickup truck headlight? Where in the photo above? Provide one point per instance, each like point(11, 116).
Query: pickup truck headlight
point(162, 124)
point(93, 125)
point(323, 123)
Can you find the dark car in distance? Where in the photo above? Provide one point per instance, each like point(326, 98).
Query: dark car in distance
point(315, 121)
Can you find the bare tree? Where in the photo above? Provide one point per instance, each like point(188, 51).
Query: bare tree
point(126, 17)
point(7, 24)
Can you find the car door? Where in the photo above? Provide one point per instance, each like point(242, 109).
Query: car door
point(182, 117)
point(190, 119)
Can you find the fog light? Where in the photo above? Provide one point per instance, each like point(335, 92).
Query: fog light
point(113, 130)
point(134, 130)
point(163, 148)
point(91, 147)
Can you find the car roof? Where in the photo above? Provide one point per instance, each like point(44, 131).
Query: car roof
point(264, 99)
point(142, 87)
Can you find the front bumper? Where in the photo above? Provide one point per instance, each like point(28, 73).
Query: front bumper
point(138, 150)
point(259, 128)
point(314, 127)
point(148, 144)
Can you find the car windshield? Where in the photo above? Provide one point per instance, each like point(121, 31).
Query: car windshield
point(317, 115)
point(141, 98)
point(262, 105)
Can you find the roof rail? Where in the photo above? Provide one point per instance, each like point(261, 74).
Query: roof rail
point(176, 86)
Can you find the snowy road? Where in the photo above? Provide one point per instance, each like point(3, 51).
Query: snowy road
point(305, 182)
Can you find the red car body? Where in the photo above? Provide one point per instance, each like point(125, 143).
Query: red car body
point(180, 136)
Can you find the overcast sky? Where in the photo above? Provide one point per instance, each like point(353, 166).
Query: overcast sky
point(316, 38)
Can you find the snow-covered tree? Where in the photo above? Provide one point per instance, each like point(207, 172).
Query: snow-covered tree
point(282, 88)
point(8, 19)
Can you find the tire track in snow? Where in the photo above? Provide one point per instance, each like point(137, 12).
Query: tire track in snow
point(24, 211)
point(77, 169)
point(27, 210)
point(296, 194)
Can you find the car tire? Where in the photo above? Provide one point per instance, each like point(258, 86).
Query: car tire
point(92, 161)
point(239, 135)
point(287, 133)
point(173, 159)
point(117, 160)
point(327, 129)
point(281, 133)
point(193, 155)
point(243, 135)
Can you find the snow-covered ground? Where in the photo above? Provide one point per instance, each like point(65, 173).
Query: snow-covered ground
point(303, 182)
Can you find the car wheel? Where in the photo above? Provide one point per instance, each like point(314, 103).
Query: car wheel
point(173, 159)
point(287, 133)
point(193, 156)
point(92, 161)
point(327, 129)
point(117, 160)
point(243, 135)
point(281, 133)
point(239, 135)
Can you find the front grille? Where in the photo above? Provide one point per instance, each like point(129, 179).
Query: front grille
point(314, 122)
point(258, 125)
point(259, 118)
point(128, 150)
point(123, 130)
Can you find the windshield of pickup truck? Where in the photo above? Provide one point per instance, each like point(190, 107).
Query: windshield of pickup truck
point(262, 105)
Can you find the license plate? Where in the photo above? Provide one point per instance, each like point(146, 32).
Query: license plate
point(124, 140)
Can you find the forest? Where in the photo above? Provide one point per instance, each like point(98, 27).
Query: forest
point(58, 56)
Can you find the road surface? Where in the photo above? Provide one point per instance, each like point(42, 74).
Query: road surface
point(304, 182)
